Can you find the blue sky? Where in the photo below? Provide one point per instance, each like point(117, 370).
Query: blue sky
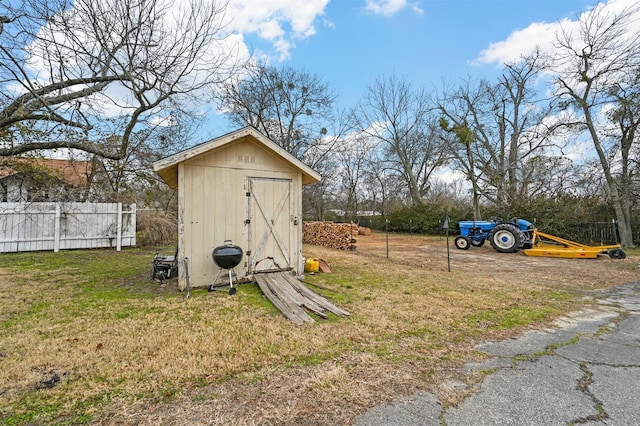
point(349, 43)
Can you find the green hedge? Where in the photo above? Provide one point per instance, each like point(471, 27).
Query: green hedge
point(586, 220)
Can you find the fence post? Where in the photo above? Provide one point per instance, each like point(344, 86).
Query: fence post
point(132, 223)
point(119, 228)
point(387, 232)
point(56, 230)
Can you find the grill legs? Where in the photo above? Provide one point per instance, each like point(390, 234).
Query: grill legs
point(232, 289)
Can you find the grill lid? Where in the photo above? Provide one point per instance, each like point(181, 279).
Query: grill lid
point(227, 256)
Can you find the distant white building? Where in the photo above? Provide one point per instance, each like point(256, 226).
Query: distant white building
point(361, 213)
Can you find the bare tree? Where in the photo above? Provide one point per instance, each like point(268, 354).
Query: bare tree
point(625, 117)
point(597, 80)
point(381, 184)
point(132, 179)
point(461, 145)
point(293, 108)
point(398, 116)
point(353, 157)
point(321, 157)
point(499, 133)
point(66, 66)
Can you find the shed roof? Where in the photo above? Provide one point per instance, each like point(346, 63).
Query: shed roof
point(167, 168)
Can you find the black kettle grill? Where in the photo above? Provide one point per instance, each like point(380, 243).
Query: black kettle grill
point(227, 257)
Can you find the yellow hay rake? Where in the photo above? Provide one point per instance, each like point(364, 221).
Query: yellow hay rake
point(547, 245)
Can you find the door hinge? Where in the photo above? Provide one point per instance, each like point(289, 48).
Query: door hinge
point(248, 221)
point(248, 252)
point(248, 194)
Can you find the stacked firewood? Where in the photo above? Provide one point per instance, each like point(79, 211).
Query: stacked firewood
point(340, 236)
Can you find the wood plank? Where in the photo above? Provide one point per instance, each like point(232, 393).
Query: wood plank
point(277, 302)
point(293, 298)
point(316, 297)
point(294, 295)
point(326, 304)
point(278, 291)
point(290, 305)
point(324, 266)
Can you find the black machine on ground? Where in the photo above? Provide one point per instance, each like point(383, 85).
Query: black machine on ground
point(164, 267)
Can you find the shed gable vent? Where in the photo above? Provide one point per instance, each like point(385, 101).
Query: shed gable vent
point(246, 159)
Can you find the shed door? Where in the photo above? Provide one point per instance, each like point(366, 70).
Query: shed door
point(270, 224)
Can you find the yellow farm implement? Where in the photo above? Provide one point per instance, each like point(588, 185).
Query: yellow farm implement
point(547, 245)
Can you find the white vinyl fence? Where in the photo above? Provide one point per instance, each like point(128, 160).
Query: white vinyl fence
point(60, 226)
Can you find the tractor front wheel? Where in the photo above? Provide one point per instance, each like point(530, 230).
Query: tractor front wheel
point(506, 238)
point(477, 243)
point(462, 242)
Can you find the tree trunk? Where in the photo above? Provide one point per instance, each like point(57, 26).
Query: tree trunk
point(617, 200)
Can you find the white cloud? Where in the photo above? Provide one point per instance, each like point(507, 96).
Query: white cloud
point(448, 175)
point(280, 22)
point(270, 30)
point(542, 35)
point(521, 42)
point(390, 7)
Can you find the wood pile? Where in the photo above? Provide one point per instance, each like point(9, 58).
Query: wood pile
point(328, 234)
point(293, 298)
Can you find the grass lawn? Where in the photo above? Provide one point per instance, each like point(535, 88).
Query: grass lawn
point(86, 337)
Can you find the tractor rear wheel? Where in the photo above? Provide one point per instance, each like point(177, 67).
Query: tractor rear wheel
point(506, 238)
point(461, 242)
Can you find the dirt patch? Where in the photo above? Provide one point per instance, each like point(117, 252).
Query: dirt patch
point(432, 253)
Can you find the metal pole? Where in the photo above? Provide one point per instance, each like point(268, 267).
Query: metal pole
point(119, 228)
point(387, 232)
point(446, 227)
point(56, 227)
point(615, 234)
point(448, 256)
point(186, 272)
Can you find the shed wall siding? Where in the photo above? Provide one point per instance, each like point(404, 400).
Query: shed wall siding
point(243, 154)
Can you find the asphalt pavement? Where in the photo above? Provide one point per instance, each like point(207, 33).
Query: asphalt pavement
point(585, 371)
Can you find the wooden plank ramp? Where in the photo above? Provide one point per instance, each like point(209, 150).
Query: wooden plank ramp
point(293, 298)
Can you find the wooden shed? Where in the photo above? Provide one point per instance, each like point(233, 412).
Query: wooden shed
point(241, 187)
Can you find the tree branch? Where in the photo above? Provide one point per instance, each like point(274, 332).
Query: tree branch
point(35, 146)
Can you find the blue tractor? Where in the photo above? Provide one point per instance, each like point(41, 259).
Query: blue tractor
point(504, 236)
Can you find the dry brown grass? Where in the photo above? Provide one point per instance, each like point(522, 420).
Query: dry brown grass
point(156, 228)
point(130, 352)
